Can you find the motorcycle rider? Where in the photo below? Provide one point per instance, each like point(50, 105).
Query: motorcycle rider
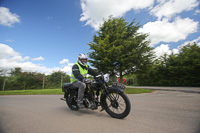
point(78, 77)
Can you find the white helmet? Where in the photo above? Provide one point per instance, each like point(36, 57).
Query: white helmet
point(82, 59)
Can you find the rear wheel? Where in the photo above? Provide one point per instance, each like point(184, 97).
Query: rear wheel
point(117, 105)
point(71, 102)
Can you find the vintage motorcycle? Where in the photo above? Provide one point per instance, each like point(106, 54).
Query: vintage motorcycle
point(112, 98)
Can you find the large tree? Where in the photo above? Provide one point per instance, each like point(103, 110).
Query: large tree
point(118, 48)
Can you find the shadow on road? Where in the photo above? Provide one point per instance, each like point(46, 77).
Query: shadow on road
point(83, 112)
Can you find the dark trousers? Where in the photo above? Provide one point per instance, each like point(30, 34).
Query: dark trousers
point(81, 88)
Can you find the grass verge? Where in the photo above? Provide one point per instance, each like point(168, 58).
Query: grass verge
point(32, 92)
point(59, 91)
point(137, 90)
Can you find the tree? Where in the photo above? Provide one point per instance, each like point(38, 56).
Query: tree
point(189, 61)
point(56, 79)
point(175, 70)
point(26, 80)
point(119, 49)
point(4, 73)
point(16, 71)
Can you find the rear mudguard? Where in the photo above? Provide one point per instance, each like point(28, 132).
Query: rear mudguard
point(72, 93)
point(110, 89)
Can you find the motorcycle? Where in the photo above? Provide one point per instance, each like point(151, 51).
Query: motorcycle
point(112, 98)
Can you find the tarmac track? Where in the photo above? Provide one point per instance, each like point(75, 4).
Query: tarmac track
point(158, 112)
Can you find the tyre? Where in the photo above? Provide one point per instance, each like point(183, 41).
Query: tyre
point(117, 105)
point(71, 102)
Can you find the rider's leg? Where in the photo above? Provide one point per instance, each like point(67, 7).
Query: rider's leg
point(81, 90)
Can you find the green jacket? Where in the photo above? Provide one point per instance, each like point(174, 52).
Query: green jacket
point(83, 72)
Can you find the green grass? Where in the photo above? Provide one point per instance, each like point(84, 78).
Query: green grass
point(137, 90)
point(59, 91)
point(33, 92)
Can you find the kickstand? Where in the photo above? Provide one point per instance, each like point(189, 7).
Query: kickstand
point(63, 99)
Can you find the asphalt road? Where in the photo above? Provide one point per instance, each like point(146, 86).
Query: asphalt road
point(180, 89)
point(158, 112)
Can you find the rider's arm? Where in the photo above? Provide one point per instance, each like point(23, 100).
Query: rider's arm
point(92, 72)
point(76, 72)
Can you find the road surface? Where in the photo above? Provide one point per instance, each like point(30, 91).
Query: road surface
point(180, 89)
point(158, 112)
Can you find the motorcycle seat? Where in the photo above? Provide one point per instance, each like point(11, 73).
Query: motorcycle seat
point(67, 86)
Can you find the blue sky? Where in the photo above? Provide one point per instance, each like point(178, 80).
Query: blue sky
point(48, 35)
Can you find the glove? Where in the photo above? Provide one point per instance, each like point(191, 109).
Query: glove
point(99, 76)
point(86, 81)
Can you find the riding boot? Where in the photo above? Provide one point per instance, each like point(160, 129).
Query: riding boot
point(80, 105)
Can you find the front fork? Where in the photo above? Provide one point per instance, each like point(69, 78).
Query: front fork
point(106, 93)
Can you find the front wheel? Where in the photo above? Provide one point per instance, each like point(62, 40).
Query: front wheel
point(117, 105)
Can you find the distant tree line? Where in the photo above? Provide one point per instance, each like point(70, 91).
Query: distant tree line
point(16, 79)
point(181, 69)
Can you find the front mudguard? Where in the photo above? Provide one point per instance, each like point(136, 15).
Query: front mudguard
point(110, 89)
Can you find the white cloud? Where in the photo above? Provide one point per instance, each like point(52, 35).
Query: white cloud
point(197, 41)
point(7, 18)
point(9, 59)
point(162, 30)
point(64, 61)
point(169, 8)
point(9, 40)
point(6, 51)
point(66, 66)
point(197, 12)
point(18, 58)
point(95, 10)
point(38, 59)
point(67, 69)
point(165, 31)
point(164, 49)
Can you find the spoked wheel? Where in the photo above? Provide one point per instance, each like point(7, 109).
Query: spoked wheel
point(71, 102)
point(117, 105)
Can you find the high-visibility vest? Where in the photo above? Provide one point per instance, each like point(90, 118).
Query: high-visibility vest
point(83, 72)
